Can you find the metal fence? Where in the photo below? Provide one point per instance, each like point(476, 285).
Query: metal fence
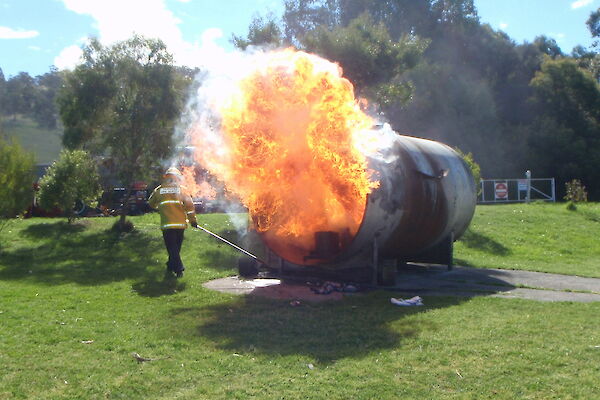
point(516, 190)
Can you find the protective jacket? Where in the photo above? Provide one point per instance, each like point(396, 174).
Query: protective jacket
point(174, 204)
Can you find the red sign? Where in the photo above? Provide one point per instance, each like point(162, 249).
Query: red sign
point(501, 191)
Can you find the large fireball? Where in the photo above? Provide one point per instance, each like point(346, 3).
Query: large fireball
point(284, 138)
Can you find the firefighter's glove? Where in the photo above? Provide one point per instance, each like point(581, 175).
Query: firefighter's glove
point(194, 224)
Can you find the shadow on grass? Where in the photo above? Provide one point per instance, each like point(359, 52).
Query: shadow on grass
point(152, 287)
point(328, 331)
point(217, 255)
point(53, 230)
point(475, 240)
point(70, 255)
point(221, 260)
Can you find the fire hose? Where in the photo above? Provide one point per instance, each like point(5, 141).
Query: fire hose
point(222, 239)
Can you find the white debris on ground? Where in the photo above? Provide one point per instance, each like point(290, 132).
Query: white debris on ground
point(412, 302)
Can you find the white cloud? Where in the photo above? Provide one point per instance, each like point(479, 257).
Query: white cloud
point(118, 20)
point(580, 3)
point(9, 33)
point(503, 25)
point(68, 58)
point(34, 48)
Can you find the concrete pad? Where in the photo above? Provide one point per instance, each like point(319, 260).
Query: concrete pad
point(432, 280)
point(549, 295)
point(463, 281)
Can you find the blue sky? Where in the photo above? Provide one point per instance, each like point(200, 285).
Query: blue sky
point(35, 34)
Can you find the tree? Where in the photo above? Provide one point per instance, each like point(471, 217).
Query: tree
point(548, 46)
point(16, 180)
point(71, 178)
point(371, 60)
point(45, 110)
point(425, 18)
point(566, 139)
point(263, 31)
point(586, 59)
point(301, 17)
point(122, 102)
point(20, 95)
point(2, 93)
point(593, 24)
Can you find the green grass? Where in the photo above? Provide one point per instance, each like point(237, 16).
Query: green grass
point(61, 285)
point(44, 143)
point(537, 237)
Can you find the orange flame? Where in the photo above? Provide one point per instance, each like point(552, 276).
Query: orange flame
point(290, 135)
point(197, 187)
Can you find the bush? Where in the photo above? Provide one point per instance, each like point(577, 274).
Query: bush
point(73, 177)
point(571, 206)
point(473, 166)
point(16, 179)
point(576, 192)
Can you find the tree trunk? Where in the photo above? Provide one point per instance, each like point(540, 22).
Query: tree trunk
point(124, 209)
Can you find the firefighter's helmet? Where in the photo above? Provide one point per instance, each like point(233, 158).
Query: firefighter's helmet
point(172, 171)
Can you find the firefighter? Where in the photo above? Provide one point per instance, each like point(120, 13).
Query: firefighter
point(176, 210)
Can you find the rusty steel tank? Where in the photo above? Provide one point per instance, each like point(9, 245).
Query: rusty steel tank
point(425, 201)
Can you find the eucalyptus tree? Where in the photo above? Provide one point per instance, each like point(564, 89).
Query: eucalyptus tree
point(122, 103)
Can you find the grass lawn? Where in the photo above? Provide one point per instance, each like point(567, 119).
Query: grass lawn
point(537, 237)
point(62, 287)
point(44, 143)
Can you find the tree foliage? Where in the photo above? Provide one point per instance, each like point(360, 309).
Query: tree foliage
point(473, 167)
point(34, 98)
point(45, 109)
point(566, 130)
point(372, 61)
point(2, 93)
point(575, 191)
point(71, 178)
point(122, 102)
point(16, 179)
point(263, 31)
point(20, 95)
point(593, 24)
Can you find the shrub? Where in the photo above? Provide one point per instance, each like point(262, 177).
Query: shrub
point(16, 179)
point(576, 192)
point(71, 178)
point(473, 166)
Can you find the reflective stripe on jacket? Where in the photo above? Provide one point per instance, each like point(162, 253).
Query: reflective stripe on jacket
point(175, 206)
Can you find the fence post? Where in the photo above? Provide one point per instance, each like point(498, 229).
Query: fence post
point(553, 191)
point(528, 176)
point(482, 189)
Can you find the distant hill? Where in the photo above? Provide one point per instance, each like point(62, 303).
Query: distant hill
point(44, 143)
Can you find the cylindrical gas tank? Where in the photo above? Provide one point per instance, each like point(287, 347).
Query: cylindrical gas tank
point(426, 196)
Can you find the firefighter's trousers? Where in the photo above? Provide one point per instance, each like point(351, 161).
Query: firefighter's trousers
point(173, 240)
